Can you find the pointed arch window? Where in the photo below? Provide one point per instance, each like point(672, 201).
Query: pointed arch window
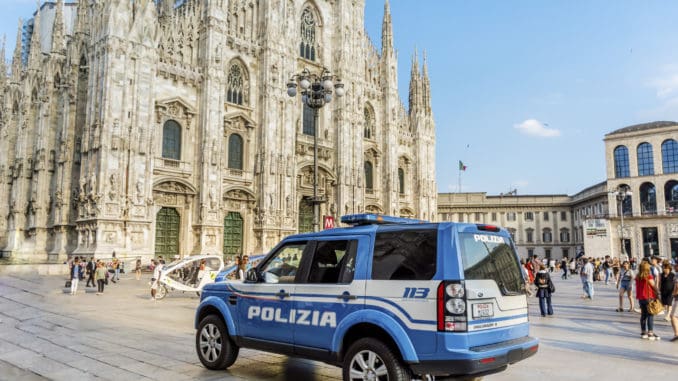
point(369, 181)
point(670, 156)
point(171, 140)
point(645, 160)
point(235, 152)
point(368, 132)
point(237, 84)
point(401, 181)
point(308, 45)
point(621, 162)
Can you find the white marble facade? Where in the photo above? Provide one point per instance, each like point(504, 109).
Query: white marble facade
point(133, 108)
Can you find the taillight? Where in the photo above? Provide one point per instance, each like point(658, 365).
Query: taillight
point(451, 306)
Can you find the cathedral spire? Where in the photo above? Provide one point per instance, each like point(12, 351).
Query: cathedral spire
point(17, 63)
point(58, 42)
point(387, 31)
point(81, 21)
point(35, 50)
point(3, 64)
point(426, 86)
point(415, 84)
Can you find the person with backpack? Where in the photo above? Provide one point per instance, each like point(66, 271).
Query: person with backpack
point(545, 289)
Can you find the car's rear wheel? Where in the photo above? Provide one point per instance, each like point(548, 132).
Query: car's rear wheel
point(161, 292)
point(215, 348)
point(370, 359)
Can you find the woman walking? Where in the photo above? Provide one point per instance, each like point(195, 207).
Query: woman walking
point(674, 314)
point(544, 290)
point(100, 277)
point(666, 286)
point(624, 285)
point(137, 269)
point(646, 290)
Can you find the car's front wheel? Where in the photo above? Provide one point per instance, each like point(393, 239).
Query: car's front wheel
point(370, 359)
point(215, 348)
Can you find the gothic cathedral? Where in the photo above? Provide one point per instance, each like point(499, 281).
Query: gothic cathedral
point(159, 127)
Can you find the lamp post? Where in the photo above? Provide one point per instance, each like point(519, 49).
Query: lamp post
point(620, 194)
point(316, 92)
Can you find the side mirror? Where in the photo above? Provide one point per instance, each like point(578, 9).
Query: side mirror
point(252, 276)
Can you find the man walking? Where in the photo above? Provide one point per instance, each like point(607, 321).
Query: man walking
point(91, 270)
point(563, 266)
point(116, 268)
point(587, 278)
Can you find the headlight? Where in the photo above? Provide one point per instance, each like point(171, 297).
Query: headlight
point(456, 306)
point(455, 290)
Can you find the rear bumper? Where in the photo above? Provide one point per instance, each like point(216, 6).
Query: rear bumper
point(485, 360)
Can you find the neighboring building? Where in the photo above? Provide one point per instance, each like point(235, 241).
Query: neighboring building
point(644, 159)
point(149, 128)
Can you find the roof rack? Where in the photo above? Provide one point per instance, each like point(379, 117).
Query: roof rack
point(378, 219)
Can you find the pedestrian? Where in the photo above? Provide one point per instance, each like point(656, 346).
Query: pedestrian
point(552, 265)
point(137, 269)
point(646, 290)
point(573, 266)
point(607, 267)
point(155, 280)
point(586, 275)
point(545, 288)
point(100, 276)
point(527, 277)
point(666, 282)
point(91, 268)
point(563, 266)
point(624, 285)
point(115, 264)
point(674, 313)
point(75, 275)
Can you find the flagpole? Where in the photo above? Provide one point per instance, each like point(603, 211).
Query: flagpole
point(459, 188)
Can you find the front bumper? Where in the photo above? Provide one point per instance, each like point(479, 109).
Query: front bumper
point(490, 359)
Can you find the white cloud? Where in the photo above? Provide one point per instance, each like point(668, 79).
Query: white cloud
point(666, 86)
point(534, 127)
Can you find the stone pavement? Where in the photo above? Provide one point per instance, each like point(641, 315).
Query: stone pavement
point(122, 335)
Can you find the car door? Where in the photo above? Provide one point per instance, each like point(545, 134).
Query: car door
point(264, 307)
point(327, 292)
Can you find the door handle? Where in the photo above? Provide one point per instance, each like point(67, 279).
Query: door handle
point(282, 294)
point(346, 296)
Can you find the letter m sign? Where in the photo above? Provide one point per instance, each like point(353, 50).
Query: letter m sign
point(328, 222)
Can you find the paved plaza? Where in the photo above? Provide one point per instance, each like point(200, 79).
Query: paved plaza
point(122, 335)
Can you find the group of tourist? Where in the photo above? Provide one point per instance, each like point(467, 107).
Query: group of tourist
point(96, 272)
point(655, 284)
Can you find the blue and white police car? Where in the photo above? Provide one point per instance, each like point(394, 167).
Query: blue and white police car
point(385, 299)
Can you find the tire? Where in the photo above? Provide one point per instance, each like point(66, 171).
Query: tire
point(161, 293)
point(215, 348)
point(369, 358)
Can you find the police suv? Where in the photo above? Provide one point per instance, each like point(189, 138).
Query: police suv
point(386, 299)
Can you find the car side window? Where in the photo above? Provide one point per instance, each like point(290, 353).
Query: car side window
point(282, 267)
point(405, 254)
point(333, 262)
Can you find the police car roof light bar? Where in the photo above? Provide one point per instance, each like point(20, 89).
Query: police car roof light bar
point(368, 219)
point(490, 228)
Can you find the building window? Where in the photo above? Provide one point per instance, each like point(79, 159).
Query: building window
point(566, 252)
point(529, 216)
point(236, 85)
point(627, 203)
point(671, 196)
point(621, 162)
point(510, 216)
point(369, 184)
point(564, 235)
point(546, 216)
point(478, 217)
point(650, 242)
point(307, 47)
point(530, 252)
point(547, 236)
point(494, 216)
point(670, 156)
point(235, 152)
point(563, 216)
point(648, 199)
point(529, 235)
point(645, 161)
point(547, 253)
point(512, 232)
point(401, 181)
point(171, 140)
point(368, 132)
point(308, 121)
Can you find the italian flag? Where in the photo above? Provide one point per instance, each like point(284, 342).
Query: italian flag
point(462, 167)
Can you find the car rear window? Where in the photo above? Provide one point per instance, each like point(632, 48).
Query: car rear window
point(487, 256)
point(405, 254)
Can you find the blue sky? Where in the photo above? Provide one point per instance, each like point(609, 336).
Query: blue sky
point(524, 91)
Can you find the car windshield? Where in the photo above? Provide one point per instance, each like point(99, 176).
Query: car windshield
point(487, 256)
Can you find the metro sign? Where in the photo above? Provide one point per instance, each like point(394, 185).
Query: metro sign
point(328, 222)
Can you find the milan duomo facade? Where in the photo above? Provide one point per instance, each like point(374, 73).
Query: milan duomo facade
point(147, 128)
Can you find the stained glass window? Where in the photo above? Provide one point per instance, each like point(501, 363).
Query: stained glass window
point(308, 121)
point(171, 140)
point(368, 132)
point(235, 152)
point(307, 47)
point(401, 181)
point(236, 85)
point(369, 184)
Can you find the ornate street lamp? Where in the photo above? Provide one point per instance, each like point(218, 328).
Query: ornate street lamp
point(620, 194)
point(316, 92)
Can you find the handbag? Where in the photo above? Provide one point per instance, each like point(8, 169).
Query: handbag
point(654, 307)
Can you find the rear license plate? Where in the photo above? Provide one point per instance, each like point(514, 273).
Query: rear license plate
point(481, 310)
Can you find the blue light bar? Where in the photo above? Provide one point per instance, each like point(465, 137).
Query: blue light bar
point(367, 219)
